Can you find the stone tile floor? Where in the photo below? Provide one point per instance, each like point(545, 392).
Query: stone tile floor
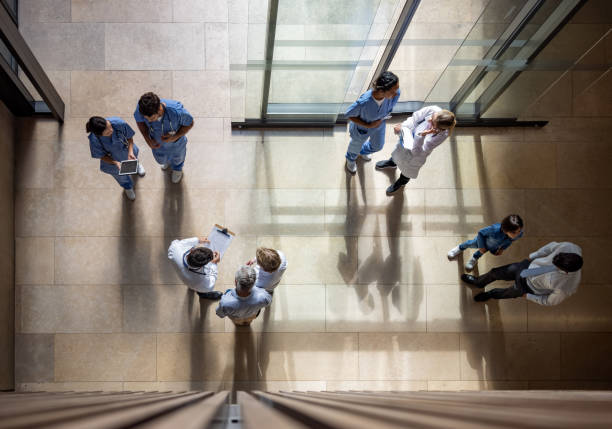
point(369, 300)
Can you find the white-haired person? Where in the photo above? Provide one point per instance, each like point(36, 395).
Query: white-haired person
point(243, 303)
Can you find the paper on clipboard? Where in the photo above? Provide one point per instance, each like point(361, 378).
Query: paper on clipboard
point(220, 240)
point(407, 138)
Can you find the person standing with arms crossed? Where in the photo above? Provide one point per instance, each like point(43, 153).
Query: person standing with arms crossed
point(163, 124)
point(367, 119)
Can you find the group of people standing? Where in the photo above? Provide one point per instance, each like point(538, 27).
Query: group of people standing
point(546, 277)
point(254, 281)
point(163, 124)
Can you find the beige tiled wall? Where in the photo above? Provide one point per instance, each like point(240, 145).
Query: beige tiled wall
point(369, 300)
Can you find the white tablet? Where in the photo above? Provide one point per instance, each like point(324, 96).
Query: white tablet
point(128, 167)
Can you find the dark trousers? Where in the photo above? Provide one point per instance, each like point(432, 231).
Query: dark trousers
point(507, 272)
point(402, 179)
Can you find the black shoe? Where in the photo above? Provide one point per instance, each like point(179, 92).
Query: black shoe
point(210, 295)
point(394, 188)
point(482, 297)
point(387, 163)
point(470, 279)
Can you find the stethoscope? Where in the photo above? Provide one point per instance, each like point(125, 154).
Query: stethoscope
point(193, 270)
point(122, 138)
point(172, 131)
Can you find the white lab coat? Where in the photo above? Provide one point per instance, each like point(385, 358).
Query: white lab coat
point(412, 149)
point(200, 280)
point(269, 281)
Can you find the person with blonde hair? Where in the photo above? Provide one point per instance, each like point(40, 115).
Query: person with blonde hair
point(419, 135)
point(270, 265)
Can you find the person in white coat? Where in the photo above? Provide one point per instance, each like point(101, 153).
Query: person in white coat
point(196, 265)
point(270, 265)
point(419, 135)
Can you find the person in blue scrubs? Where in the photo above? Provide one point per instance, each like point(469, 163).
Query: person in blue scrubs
point(111, 140)
point(163, 124)
point(367, 119)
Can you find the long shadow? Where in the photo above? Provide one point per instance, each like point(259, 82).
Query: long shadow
point(245, 361)
point(134, 256)
point(175, 215)
point(469, 309)
point(348, 260)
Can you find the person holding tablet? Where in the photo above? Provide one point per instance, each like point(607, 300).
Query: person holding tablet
point(163, 124)
point(111, 141)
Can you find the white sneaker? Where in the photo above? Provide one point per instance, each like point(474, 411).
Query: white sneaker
point(141, 170)
point(165, 166)
point(176, 176)
point(366, 157)
point(469, 266)
point(130, 194)
point(453, 253)
point(351, 166)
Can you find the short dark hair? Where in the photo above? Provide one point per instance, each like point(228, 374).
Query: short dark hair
point(96, 125)
point(385, 81)
point(512, 223)
point(148, 104)
point(199, 257)
point(568, 262)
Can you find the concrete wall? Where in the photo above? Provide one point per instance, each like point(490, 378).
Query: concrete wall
point(7, 249)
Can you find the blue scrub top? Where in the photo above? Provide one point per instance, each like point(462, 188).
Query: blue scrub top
point(115, 145)
point(175, 116)
point(368, 110)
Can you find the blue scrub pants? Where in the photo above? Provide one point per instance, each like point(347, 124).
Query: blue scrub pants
point(172, 153)
point(124, 181)
point(365, 141)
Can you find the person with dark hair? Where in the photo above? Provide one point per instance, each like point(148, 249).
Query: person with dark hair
point(163, 124)
point(419, 135)
point(367, 119)
point(111, 140)
point(494, 238)
point(547, 277)
point(196, 265)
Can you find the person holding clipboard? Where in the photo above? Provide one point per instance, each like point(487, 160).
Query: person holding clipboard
point(196, 265)
point(418, 135)
point(111, 141)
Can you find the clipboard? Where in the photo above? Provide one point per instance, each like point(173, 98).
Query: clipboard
point(220, 238)
point(407, 143)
